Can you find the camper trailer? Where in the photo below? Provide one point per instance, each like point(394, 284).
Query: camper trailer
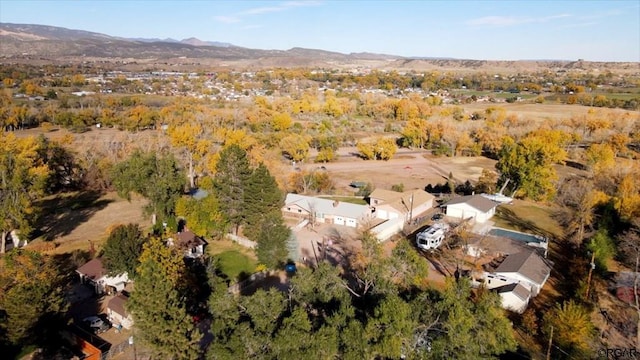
point(432, 237)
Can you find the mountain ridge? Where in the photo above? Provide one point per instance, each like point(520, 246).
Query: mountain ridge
point(45, 42)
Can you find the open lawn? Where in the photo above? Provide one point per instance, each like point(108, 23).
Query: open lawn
point(529, 217)
point(236, 265)
point(235, 261)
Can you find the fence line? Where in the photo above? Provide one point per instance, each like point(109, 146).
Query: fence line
point(242, 241)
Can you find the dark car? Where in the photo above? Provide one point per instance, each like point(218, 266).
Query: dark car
point(438, 216)
point(96, 324)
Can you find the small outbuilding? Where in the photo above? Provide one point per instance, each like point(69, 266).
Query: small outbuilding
point(117, 312)
point(95, 275)
point(514, 297)
point(475, 207)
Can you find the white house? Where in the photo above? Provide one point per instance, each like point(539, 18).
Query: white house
point(406, 205)
point(326, 211)
point(94, 274)
point(527, 268)
point(514, 297)
point(476, 207)
point(117, 313)
point(192, 245)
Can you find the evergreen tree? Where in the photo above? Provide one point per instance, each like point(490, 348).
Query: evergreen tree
point(263, 197)
point(230, 185)
point(122, 250)
point(272, 240)
point(158, 305)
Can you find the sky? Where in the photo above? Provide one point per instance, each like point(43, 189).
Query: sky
point(482, 30)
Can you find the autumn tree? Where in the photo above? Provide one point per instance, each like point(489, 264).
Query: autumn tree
point(572, 327)
point(380, 149)
point(122, 249)
point(295, 146)
point(156, 178)
point(23, 179)
point(190, 139)
point(158, 307)
point(31, 298)
point(203, 215)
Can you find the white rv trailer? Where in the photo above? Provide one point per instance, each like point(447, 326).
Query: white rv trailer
point(432, 237)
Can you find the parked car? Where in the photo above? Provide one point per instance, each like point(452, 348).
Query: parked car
point(438, 216)
point(96, 324)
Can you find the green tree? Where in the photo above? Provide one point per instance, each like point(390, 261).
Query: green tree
point(233, 173)
point(529, 163)
point(464, 326)
point(263, 197)
point(31, 298)
point(603, 247)
point(122, 250)
point(158, 305)
point(158, 179)
point(272, 240)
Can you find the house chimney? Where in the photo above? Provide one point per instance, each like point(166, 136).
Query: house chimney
point(336, 203)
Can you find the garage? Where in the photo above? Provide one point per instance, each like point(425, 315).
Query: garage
point(338, 220)
point(351, 222)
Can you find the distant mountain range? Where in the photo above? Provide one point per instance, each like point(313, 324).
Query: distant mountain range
point(57, 44)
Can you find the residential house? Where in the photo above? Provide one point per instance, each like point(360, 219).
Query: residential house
point(514, 297)
point(326, 211)
point(117, 313)
point(94, 274)
point(527, 268)
point(192, 245)
point(475, 207)
point(405, 205)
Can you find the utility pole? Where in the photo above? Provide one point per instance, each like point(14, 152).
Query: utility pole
point(593, 266)
point(550, 342)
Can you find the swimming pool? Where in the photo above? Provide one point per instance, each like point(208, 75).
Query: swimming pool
point(518, 236)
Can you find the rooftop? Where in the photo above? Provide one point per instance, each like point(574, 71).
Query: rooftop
point(528, 264)
point(326, 206)
point(478, 202)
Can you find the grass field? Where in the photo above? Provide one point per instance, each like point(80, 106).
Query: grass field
point(235, 264)
point(348, 199)
point(233, 259)
point(529, 217)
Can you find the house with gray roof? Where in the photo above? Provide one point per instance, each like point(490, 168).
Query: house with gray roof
point(475, 207)
point(527, 268)
point(514, 297)
point(326, 211)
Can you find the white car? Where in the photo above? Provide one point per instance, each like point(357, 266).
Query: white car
point(96, 324)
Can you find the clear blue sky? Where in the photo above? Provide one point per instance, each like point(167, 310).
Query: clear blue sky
point(492, 30)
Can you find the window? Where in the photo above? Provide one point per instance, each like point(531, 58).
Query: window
point(299, 211)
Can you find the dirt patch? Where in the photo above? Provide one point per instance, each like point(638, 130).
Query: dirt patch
point(74, 219)
point(413, 170)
